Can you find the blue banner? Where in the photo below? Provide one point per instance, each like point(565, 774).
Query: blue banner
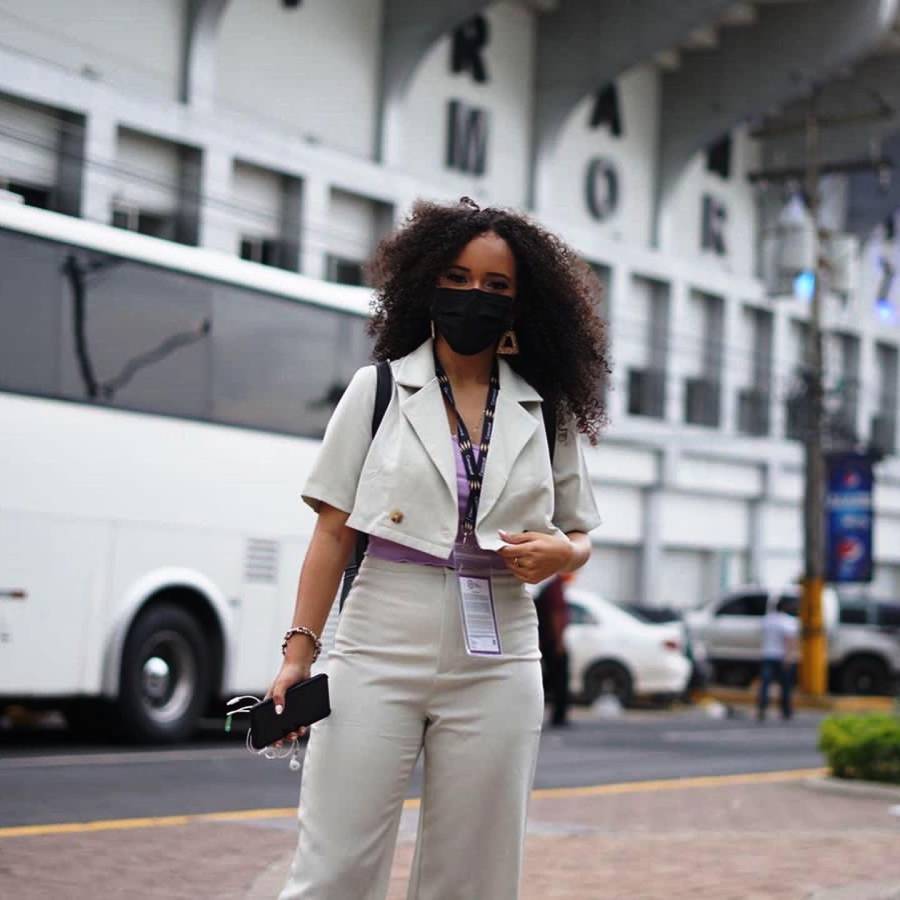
point(849, 513)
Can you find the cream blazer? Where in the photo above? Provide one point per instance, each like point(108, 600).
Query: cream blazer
point(401, 485)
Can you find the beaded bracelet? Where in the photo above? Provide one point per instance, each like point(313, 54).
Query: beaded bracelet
point(302, 629)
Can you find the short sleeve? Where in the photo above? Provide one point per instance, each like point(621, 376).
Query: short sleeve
point(574, 506)
point(335, 472)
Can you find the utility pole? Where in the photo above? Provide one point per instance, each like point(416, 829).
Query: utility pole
point(814, 650)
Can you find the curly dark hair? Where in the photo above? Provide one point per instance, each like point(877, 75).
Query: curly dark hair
point(562, 339)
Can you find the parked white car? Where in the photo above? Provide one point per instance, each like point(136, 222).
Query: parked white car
point(613, 651)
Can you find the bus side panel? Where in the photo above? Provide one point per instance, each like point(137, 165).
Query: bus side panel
point(262, 613)
point(46, 635)
point(262, 631)
point(150, 558)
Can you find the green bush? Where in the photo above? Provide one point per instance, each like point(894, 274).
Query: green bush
point(866, 746)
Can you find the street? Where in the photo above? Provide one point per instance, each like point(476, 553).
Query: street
point(47, 778)
point(648, 804)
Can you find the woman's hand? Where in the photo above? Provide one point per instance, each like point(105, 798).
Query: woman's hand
point(293, 670)
point(533, 556)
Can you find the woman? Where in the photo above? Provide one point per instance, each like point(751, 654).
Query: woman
point(485, 317)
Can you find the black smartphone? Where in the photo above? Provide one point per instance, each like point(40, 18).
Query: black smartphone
point(304, 703)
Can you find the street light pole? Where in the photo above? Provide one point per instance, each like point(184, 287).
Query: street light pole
point(814, 651)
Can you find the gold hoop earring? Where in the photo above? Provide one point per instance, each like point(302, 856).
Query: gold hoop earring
point(432, 329)
point(508, 345)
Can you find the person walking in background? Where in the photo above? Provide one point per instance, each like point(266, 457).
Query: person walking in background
point(779, 643)
point(553, 616)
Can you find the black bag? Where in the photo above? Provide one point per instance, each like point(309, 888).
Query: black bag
point(383, 390)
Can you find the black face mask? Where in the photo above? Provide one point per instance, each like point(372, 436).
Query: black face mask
point(470, 320)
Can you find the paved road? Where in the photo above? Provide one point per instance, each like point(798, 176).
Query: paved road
point(46, 778)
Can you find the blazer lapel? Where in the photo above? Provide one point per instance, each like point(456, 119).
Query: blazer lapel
point(424, 410)
point(513, 427)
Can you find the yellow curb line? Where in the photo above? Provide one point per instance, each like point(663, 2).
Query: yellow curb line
point(827, 703)
point(282, 812)
point(678, 784)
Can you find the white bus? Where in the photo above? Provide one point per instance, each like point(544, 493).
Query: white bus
point(159, 408)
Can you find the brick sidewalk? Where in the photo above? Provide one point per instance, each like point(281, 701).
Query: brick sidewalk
point(746, 841)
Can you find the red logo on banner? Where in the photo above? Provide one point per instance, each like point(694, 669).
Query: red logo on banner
point(850, 550)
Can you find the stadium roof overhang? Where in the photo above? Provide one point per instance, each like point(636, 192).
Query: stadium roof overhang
point(724, 63)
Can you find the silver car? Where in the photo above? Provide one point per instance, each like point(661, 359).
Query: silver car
point(863, 644)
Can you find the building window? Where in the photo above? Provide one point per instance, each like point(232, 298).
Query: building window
point(702, 389)
point(646, 393)
point(154, 224)
point(701, 402)
point(345, 271)
point(266, 251)
point(753, 398)
point(753, 411)
point(31, 194)
point(648, 350)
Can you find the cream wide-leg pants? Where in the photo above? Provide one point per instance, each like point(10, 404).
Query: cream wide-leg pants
point(401, 682)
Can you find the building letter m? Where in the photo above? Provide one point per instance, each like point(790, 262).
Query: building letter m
point(467, 137)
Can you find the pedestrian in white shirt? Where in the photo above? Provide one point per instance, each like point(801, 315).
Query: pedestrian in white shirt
point(779, 643)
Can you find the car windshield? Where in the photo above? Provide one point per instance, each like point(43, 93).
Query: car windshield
point(641, 615)
point(630, 611)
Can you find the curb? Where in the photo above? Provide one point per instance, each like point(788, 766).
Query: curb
point(851, 788)
point(828, 703)
point(882, 890)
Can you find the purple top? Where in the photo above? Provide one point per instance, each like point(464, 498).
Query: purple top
point(382, 548)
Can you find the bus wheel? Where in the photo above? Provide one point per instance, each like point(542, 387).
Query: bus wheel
point(164, 678)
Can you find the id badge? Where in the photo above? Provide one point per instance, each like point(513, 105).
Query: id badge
point(479, 620)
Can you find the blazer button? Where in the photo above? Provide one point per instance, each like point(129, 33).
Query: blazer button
point(396, 516)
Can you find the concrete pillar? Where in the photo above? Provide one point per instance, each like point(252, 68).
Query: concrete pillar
point(98, 159)
point(868, 399)
point(728, 373)
point(617, 305)
point(756, 512)
point(675, 373)
point(216, 229)
point(781, 371)
point(651, 545)
point(198, 65)
point(314, 238)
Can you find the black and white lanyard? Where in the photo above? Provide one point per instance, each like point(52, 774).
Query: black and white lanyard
point(474, 470)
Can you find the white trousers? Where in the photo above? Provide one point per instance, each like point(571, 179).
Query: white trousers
point(401, 682)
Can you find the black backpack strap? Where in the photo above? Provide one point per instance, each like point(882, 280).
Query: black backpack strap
point(382, 394)
point(383, 390)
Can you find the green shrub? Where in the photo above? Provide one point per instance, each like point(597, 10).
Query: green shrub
point(866, 746)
